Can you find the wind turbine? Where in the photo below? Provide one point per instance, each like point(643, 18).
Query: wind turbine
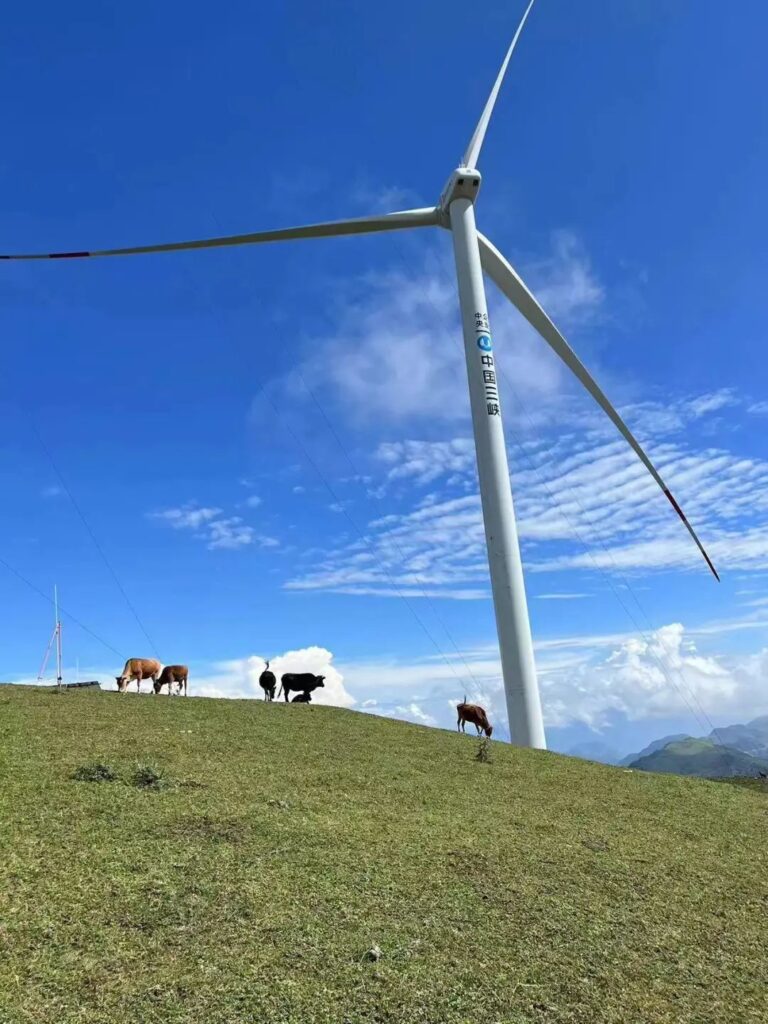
point(455, 212)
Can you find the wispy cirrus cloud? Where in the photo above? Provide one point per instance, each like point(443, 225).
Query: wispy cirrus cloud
point(583, 502)
point(395, 353)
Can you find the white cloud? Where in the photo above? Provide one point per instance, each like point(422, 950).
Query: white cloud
point(559, 597)
point(413, 713)
point(229, 534)
point(659, 675)
point(583, 502)
point(381, 198)
point(54, 491)
point(220, 532)
point(186, 517)
point(712, 402)
point(396, 352)
point(583, 679)
point(253, 501)
point(426, 461)
point(239, 678)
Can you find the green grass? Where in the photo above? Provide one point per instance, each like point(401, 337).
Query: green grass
point(287, 842)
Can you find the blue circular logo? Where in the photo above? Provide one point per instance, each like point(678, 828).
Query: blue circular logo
point(484, 342)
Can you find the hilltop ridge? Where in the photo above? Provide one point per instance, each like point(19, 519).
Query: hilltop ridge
point(284, 843)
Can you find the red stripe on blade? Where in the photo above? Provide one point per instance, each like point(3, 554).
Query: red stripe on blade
point(680, 512)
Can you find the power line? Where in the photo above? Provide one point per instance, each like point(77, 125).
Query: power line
point(95, 541)
point(69, 615)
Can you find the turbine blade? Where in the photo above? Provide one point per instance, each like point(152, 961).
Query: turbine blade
point(476, 142)
point(359, 226)
point(508, 281)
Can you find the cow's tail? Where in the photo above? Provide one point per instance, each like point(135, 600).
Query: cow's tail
point(280, 690)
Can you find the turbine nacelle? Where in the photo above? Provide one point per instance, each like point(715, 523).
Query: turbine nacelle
point(464, 183)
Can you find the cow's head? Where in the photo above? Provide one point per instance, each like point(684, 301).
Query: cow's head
point(320, 680)
point(157, 685)
point(488, 730)
point(122, 683)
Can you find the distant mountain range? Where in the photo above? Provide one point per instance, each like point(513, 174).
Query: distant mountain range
point(653, 747)
point(703, 758)
point(732, 750)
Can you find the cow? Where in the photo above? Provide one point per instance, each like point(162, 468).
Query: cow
point(138, 669)
point(475, 714)
point(302, 698)
point(171, 674)
point(305, 682)
point(268, 683)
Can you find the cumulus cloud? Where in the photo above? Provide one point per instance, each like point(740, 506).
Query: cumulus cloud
point(587, 679)
point(239, 678)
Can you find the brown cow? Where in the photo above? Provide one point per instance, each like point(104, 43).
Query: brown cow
point(476, 715)
point(171, 674)
point(138, 669)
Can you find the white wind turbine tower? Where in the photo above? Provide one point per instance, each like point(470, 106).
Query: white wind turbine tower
point(474, 254)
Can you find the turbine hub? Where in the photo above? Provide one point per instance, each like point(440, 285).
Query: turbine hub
point(464, 183)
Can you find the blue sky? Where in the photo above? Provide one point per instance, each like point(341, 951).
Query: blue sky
point(237, 426)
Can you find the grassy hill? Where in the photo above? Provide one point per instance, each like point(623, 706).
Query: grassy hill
point(294, 839)
point(701, 757)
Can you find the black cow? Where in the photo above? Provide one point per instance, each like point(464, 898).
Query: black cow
point(304, 682)
point(302, 698)
point(268, 682)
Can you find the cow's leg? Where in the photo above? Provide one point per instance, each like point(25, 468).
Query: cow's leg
point(285, 692)
point(138, 684)
point(479, 730)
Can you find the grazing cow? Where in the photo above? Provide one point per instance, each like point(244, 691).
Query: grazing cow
point(268, 683)
point(301, 681)
point(171, 674)
point(476, 715)
point(302, 698)
point(138, 669)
